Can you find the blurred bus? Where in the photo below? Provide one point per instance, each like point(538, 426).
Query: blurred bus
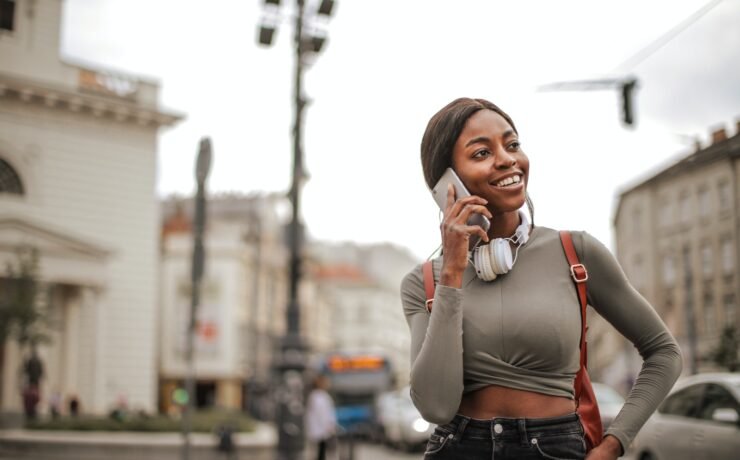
point(356, 381)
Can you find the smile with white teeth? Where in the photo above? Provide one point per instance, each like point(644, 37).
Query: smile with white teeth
point(511, 180)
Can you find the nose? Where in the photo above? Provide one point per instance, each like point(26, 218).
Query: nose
point(504, 159)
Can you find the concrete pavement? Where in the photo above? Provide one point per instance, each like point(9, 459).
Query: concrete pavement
point(18, 444)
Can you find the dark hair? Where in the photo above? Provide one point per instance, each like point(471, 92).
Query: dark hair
point(442, 132)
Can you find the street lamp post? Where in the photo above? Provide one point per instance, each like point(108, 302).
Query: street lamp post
point(290, 362)
point(202, 167)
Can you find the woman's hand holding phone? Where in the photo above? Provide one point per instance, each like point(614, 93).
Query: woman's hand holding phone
point(456, 234)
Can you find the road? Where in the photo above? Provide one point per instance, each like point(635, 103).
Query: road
point(370, 451)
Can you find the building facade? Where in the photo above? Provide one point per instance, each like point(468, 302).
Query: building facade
point(677, 240)
point(241, 318)
point(362, 283)
point(77, 183)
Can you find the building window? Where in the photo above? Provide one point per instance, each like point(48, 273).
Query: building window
point(685, 208)
point(730, 309)
point(636, 222)
point(725, 196)
point(709, 319)
point(10, 182)
point(707, 268)
point(728, 256)
point(7, 14)
point(669, 270)
point(666, 212)
point(705, 204)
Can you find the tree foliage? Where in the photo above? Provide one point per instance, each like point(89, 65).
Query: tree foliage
point(726, 353)
point(21, 315)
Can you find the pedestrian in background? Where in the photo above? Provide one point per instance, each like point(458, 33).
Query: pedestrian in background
point(74, 406)
point(496, 349)
point(33, 370)
point(321, 419)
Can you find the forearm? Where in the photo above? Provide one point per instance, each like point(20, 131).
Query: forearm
point(437, 369)
point(659, 371)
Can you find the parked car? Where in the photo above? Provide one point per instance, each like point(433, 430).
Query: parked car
point(610, 402)
point(401, 423)
point(699, 419)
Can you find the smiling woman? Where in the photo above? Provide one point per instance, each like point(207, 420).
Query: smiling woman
point(503, 343)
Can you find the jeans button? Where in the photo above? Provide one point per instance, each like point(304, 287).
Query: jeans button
point(497, 428)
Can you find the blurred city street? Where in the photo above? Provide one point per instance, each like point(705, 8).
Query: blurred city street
point(213, 219)
point(368, 451)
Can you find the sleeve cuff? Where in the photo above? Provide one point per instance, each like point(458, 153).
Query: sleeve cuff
point(447, 300)
point(621, 437)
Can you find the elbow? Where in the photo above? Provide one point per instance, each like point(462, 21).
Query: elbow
point(678, 359)
point(433, 410)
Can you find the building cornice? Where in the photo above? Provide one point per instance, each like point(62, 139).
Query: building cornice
point(724, 149)
point(84, 102)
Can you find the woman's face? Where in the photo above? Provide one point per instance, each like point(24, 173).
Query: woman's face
point(488, 158)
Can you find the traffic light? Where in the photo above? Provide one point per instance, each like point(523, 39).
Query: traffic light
point(628, 107)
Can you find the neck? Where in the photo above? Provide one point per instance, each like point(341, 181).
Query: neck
point(504, 225)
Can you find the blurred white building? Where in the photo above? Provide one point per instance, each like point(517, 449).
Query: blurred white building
point(363, 285)
point(77, 182)
point(244, 296)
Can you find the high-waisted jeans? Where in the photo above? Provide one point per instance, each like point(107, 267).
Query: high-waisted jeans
point(553, 438)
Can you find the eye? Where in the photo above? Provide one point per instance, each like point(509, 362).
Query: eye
point(482, 153)
point(515, 146)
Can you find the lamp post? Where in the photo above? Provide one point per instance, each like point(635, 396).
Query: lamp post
point(202, 167)
point(290, 361)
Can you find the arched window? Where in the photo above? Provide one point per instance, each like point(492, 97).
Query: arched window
point(10, 182)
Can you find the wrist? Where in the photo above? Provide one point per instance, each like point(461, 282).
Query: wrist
point(451, 278)
point(612, 444)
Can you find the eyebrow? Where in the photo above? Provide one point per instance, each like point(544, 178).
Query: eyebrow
point(475, 140)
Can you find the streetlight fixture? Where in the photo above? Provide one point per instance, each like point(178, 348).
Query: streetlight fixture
point(291, 361)
point(202, 168)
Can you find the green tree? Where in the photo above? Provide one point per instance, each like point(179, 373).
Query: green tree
point(726, 353)
point(21, 316)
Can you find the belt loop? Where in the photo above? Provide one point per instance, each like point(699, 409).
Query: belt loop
point(522, 428)
point(461, 428)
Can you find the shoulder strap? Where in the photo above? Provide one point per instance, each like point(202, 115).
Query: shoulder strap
point(428, 272)
point(580, 275)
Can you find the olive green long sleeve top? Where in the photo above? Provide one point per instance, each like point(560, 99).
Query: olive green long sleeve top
point(522, 331)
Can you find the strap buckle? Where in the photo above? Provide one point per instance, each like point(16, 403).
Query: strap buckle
point(579, 273)
point(429, 305)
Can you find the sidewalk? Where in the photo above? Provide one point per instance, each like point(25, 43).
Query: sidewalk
point(20, 444)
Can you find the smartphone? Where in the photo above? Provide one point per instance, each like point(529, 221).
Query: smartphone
point(439, 192)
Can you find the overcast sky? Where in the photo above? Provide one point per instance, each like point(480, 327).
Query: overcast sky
point(389, 65)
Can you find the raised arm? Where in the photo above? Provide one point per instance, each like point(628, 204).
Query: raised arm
point(436, 348)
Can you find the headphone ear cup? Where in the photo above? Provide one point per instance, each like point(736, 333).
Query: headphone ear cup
point(482, 262)
point(501, 260)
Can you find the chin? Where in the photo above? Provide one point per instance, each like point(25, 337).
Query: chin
point(507, 206)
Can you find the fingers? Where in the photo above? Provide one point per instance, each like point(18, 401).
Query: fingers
point(457, 213)
point(477, 230)
point(450, 198)
point(458, 232)
point(469, 209)
point(455, 207)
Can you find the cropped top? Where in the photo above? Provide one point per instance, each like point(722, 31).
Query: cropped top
point(522, 331)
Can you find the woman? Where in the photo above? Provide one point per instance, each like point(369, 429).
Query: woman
point(493, 363)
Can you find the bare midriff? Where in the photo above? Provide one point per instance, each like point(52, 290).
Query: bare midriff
point(497, 401)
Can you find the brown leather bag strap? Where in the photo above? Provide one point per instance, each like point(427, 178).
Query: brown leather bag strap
point(580, 275)
point(428, 272)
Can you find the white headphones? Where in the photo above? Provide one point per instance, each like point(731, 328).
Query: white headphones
point(495, 258)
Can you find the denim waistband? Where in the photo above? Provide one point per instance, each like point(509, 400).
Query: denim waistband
point(521, 429)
